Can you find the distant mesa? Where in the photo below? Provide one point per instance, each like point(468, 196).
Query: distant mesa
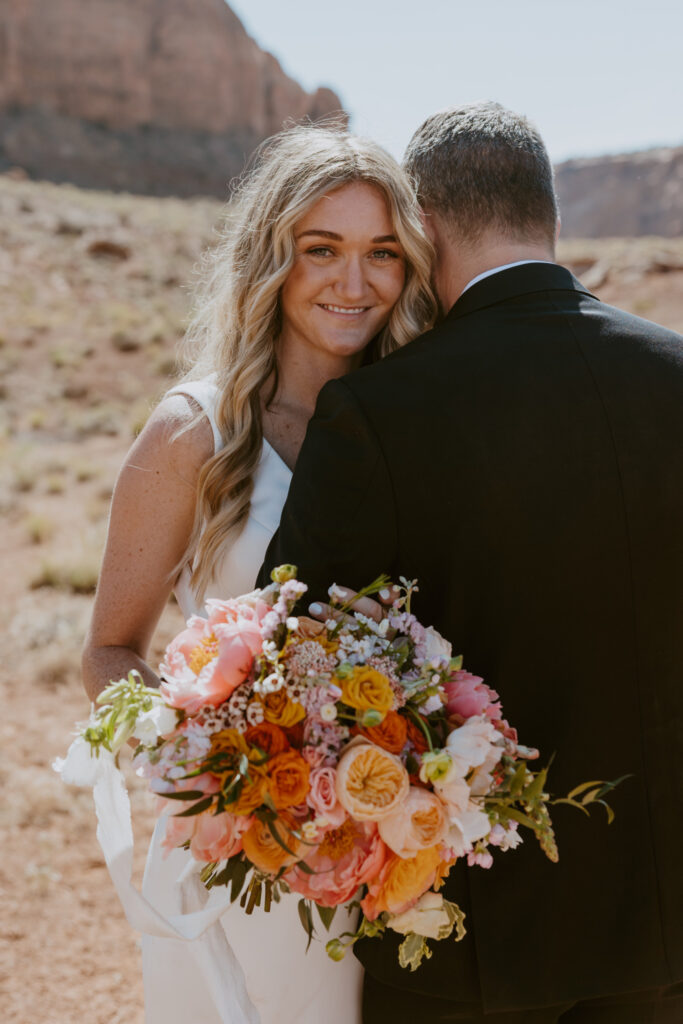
point(629, 195)
point(160, 97)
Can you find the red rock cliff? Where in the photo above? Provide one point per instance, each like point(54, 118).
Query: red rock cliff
point(151, 95)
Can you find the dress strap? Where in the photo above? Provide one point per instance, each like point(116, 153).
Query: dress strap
point(205, 393)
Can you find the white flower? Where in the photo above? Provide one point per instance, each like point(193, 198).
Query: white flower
point(292, 623)
point(309, 831)
point(470, 744)
point(328, 712)
point(428, 917)
point(81, 766)
point(433, 703)
point(160, 720)
point(469, 826)
point(435, 645)
point(337, 593)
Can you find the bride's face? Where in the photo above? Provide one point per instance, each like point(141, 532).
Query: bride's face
point(348, 272)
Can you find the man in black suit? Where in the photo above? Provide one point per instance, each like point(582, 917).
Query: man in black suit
point(524, 460)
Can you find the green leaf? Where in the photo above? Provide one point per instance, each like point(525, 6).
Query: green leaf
point(534, 790)
point(326, 915)
point(582, 788)
point(522, 819)
point(306, 918)
point(276, 837)
point(413, 950)
point(198, 808)
point(518, 779)
point(239, 874)
point(187, 794)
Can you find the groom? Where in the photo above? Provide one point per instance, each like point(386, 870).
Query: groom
point(524, 460)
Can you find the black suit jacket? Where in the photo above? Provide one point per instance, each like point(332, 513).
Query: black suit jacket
point(524, 460)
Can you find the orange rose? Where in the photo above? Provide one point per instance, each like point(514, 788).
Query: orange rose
point(280, 710)
point(288, 779)
point(267, 737)
point(401, 882)
point(263, 849)
point(252, 794)
point(390, 734)
point(230, 741)
point(371, 782)
point(416, 736)
point(367, 689)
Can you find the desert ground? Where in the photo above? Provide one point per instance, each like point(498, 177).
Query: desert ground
point(94, 292)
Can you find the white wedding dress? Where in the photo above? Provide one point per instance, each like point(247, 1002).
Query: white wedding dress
point(285, 984)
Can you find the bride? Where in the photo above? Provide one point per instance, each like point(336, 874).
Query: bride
point(322, 265)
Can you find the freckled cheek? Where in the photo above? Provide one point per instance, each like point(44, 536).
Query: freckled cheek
point(390, 286)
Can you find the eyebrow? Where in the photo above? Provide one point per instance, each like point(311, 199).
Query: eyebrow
point(338, 238)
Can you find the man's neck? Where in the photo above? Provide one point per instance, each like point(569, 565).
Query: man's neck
point(458, 265)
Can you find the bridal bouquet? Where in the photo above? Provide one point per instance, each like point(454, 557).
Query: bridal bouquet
point(351, 762)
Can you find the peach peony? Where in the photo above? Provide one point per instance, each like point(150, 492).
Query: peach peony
point(418, 823)
point(401, 882)
point(366, 689)
point(347, 857)
point(263, 849)
point(371, 782)
point(209, 659)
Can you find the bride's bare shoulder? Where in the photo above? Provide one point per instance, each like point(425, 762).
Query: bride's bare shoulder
point(177, 438)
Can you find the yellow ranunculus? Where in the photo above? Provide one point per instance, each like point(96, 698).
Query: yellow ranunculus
point(367, 689)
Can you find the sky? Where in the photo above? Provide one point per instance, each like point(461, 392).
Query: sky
point(595, 76)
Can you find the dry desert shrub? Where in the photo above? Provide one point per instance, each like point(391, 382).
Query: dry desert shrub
point(76, 577)
point(40, 529)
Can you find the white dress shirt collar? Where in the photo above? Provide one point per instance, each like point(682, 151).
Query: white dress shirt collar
point(497, 270)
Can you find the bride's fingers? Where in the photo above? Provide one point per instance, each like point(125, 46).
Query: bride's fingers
point(364, 605)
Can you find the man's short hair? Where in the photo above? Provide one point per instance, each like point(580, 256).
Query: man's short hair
point(484, 167)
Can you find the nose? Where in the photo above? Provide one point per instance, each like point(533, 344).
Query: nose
point(351, 283)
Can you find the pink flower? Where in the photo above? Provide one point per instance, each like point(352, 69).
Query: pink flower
point(180, 830)
point(346, 858)
point(209, 659)
point(218, 836)
point(482, 858)
point(418, 823)
point(314, 755)
point(468, 695)
point(322, 796)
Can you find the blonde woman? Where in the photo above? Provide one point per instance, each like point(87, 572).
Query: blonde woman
point(322, 264)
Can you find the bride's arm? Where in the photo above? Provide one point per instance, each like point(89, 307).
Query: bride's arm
point(150, 524)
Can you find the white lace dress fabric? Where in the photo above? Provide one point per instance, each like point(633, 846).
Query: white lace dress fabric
point(285, 984)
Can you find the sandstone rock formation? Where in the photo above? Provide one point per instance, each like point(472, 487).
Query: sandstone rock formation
point(153, 96)
point(629, 195)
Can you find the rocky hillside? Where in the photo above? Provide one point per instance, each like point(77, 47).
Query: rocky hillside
point(623, 196)
point(151, 96)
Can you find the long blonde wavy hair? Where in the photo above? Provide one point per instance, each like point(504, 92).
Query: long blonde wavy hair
point(236, 322)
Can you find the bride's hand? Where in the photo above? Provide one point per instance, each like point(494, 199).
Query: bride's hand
point(376, 610)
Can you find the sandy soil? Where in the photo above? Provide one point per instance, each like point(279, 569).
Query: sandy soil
point(92, 299)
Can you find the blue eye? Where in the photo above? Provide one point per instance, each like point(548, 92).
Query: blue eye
point(385, 254)
point(320, 250)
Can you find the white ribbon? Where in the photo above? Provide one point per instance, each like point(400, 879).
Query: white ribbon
point(222, 976)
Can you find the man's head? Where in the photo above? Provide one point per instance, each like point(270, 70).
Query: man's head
point(485, 181)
